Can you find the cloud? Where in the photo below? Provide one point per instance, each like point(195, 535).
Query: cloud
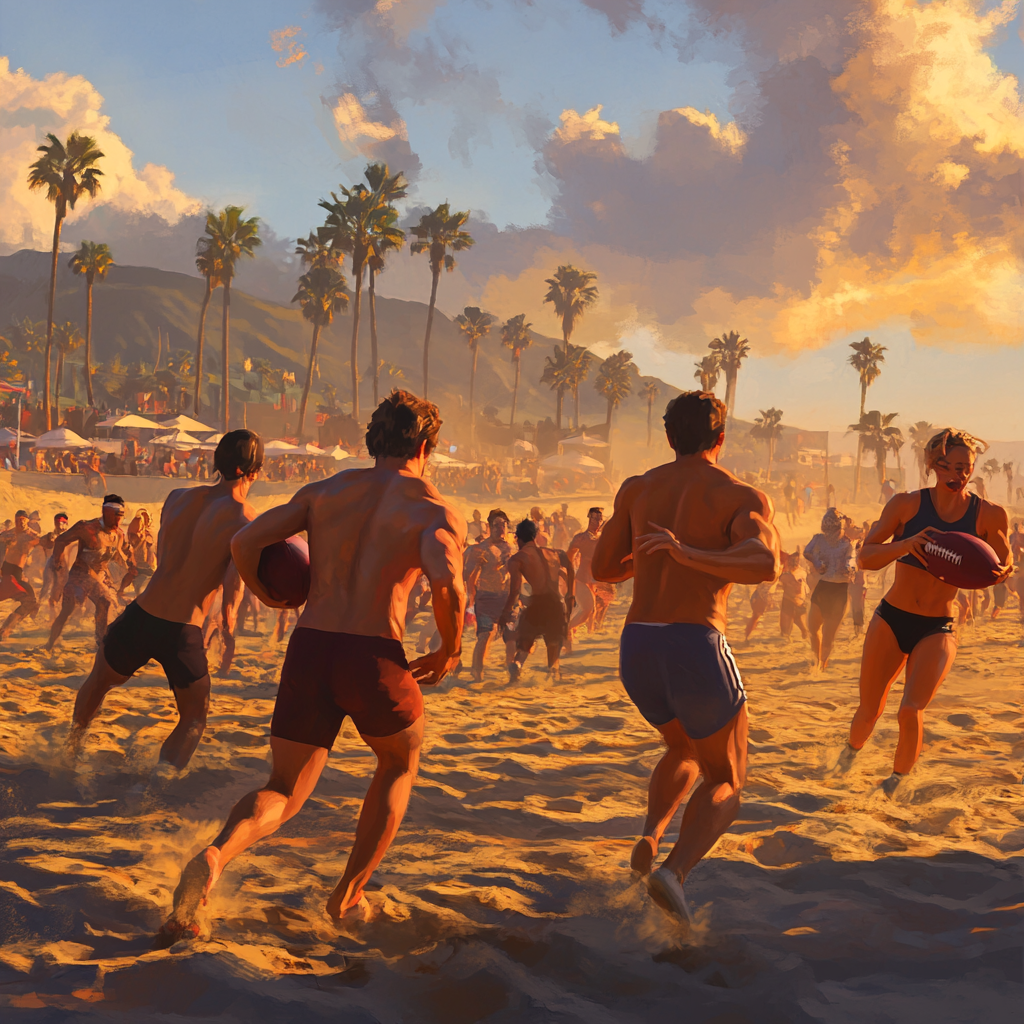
point(283, 41)
point(61, 104)
point(586, 126)
point(370, 128)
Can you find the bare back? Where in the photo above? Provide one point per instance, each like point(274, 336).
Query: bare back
point(367, 530)
point(542, 568)
point(706, 507)
point(193, 551)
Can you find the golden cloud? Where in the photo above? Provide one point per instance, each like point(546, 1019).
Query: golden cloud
point(283, 40)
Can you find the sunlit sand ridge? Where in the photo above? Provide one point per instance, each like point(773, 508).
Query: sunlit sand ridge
point(506, 896)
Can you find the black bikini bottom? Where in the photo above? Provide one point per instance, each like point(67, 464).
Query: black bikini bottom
point(909, 628)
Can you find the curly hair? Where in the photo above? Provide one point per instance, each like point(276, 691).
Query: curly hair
point(694, 421)
point(941, 443)
point(400, 424)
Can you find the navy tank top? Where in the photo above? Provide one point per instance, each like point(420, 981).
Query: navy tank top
point(927, 516)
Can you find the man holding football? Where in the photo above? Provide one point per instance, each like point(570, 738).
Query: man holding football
point(913, 624)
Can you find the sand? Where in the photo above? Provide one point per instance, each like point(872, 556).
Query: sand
point(507, 896)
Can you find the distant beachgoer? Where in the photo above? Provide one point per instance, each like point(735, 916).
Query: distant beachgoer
point(888, 490)
point(143, 544)
point(793, 584)
point(675, 662)
point(831, 554)
point(487, 579)
point(18, 544)
point(580, 552)
point(760, 604)
point(789, 496)
point(476, 526)
point(53, 581)
point(543, 539)
point(912, 627)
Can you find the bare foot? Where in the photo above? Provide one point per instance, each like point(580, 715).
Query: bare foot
point(356, 909)
point(73, 745)
point(196, 881)
point(642, 858)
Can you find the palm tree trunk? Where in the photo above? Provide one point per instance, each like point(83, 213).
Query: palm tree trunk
point(576, 407)
point(863, 397)
point(373, 340)
point(199, 342)
point(225, 350)
point(558, 409)
point(771, 456)
point(650, 413)
point(856, 471)
point(565, 339)
point(730, 393)
point(309, 379)
point(49, 318)
point(159, 349)
point(608, 419)
point(355, 343)
point(515, 395)
point(472, 389)
point(436, 276)
point(57, 387)
point(88, 339)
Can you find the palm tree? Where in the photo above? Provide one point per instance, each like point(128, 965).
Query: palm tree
point(990, 469)
point(475, 326)
point(29, 339)
point(648, 393)
point(577, 369)
point(321, 294)
point(731, 350)
point(866, 360)
point(515, 335)
point(67, 337)
point(614, 381)
point(317, 252)
point(571, 291)
point(93, 260)
point(556, 375)
point(768, 428)
point(708, 371)
point(208, 264)
point(436, 233)
point(1008, 470)
point(231, 238)
point(385, 237)
point(66, 171)
point(920, 434)
point(878, 435)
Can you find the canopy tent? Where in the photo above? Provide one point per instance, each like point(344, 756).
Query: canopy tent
point(574, 460)
point(525, 446)
point(62, 437)
point(187, 423)
point(583, 441)
point(132, 420)
point(440, 459)
point(308, 449)
point(177, 439)
point(280, 448)
point(337, 453)
point(8, 436)
point(10, 389)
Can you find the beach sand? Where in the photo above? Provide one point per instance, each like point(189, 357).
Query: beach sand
point(507, 895)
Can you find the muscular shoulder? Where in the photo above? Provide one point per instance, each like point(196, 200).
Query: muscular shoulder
point(992, 516)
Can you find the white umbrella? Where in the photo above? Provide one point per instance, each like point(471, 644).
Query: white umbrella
point(583, 441)
point(187, 423)
point(309, 449)
point(338, 453)
point(178, 439)
point(525, 446)
point(131, 420)
point(280, 447)
point(7, 435)
point(62, 437)
point(572, 461)
point(440, 459)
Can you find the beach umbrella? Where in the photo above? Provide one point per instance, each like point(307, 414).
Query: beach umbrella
point(308, 449)
point(178, 439)
point(278, 447)
point(7, 436)
point(337, 453)
point(440, 459)
point(187, 423)
point(62, 437)
point(131, 420)
point(583, 441)
point(574, 460)
point(525, 446)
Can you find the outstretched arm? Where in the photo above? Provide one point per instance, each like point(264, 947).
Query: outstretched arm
point(515, 589)
point(77, 532)
point(441, 559)
point(752, 557)
point(275, 524)
point(613, 553)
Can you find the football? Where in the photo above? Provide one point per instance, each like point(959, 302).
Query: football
point(961, 560)
point(284, 571)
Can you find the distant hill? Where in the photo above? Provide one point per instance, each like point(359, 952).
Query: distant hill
point(133, 302)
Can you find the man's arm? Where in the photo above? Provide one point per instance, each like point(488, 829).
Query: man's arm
point(441, 559)
point(275, 524)
point(752, 557)
point(570, 580)
point(614, 548)
point(514, 590)
point(77, 532)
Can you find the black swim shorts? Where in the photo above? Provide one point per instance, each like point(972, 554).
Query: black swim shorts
point(681, 670)
point(135, 637)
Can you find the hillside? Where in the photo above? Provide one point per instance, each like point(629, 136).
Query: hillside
point(133, 302)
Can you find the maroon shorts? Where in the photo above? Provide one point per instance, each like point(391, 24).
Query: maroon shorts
point(327, 676)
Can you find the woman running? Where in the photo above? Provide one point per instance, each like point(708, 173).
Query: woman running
point(831, 554)
point(913, 624)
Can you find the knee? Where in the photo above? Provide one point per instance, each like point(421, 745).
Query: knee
point(909, 714)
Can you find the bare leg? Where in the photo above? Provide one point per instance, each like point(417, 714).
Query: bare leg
point(296, 768)
point(584, 612)
point(814, 625)
point(384, 805)
point(483, 643)
point(670, 781)
point(800, 618)
point(66, 609)
point(100, 681)
point(554, 651)
point(102, 607)
point(880, 664)
point(230, 604)
point(193, 703)
point(716, 801)
point(786, 624)
point(756, 611)
point(830, 626)
point(26, 607)
point(928, 665)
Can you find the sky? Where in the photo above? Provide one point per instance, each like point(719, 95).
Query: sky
point(807, 172)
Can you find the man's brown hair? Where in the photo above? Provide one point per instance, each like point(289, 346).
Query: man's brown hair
point(400, 424)
point(693, 421)
point(239, 453)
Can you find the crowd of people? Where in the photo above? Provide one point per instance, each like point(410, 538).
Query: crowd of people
point(384, 545)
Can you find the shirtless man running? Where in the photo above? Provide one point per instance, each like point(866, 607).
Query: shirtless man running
point(18, 543)
point(686, 532)
point(164, 623)
point(143, 543)
point(487, 586)
point(546, 613)
point(99, 542)
point(53, 581)
point(593, 598)
point(371, 533)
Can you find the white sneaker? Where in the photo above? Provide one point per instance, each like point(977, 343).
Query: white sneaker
point(667, 891)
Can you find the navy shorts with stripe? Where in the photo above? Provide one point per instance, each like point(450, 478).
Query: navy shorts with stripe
point(681, 670)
